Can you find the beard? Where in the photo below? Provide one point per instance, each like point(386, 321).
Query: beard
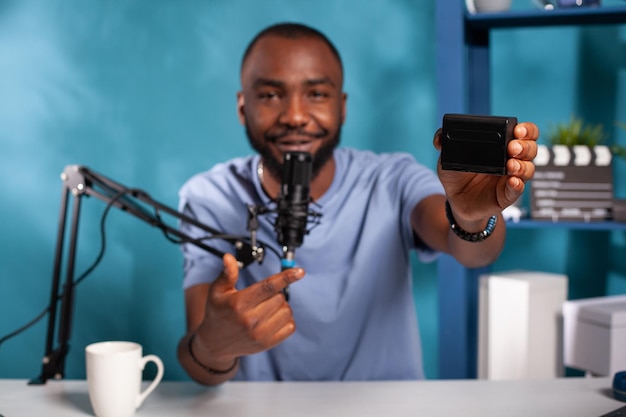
point(275, 166)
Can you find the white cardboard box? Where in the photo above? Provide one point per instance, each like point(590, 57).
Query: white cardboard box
point(519, 325)
point(595, 334)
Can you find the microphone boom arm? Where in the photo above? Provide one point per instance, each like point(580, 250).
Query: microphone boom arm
point(79, 181)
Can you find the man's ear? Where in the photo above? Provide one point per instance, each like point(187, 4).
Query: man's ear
point(241, 113)
point(344, 108)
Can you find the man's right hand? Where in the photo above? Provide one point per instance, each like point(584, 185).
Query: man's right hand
point(243, 322)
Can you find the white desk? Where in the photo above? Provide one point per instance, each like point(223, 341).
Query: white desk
point(570, 397)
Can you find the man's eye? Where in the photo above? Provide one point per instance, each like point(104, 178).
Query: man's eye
point(268, 95)
point(318, 94)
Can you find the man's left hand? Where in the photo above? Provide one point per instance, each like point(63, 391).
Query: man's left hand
point(478, 196)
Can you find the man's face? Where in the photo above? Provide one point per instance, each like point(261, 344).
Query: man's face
point(291, 100)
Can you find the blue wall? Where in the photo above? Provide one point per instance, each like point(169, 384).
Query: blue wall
point(144, 93)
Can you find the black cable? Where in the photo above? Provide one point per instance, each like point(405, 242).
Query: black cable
point(98, 259)
point(25, 327)
point(81, 277)
point(105, 213)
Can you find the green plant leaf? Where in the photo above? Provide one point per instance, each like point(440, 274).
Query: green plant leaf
point(576, 132)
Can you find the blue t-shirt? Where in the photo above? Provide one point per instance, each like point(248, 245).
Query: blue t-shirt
point(354, 310)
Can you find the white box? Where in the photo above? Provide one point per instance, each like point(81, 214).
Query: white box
point(520, 325)
point(595, 334)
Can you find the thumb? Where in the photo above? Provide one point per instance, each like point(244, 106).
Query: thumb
point(227, 279)
point(437, 139)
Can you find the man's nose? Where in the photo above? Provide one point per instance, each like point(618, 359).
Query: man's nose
point(295, 112)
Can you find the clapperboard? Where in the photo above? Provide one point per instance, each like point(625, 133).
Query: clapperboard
point(572, 183)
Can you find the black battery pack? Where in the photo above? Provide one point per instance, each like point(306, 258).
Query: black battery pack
point(475, 143)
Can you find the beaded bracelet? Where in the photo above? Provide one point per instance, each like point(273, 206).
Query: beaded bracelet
point(470, 237)
point(203, 366)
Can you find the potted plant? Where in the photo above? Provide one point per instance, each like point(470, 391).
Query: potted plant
point(574, 174)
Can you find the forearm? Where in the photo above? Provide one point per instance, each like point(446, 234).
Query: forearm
point(432, 225)
point(199, 366)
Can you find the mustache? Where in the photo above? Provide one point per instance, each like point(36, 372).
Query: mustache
point(275, 136)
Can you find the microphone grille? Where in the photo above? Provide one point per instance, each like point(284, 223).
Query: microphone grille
point(297, 168)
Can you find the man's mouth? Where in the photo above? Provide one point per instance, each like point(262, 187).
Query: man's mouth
point(294, 144)
point(295, 140)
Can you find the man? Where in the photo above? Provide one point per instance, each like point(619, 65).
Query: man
point(352, 317)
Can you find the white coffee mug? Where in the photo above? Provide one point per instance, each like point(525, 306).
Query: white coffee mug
point(474, 6)
point(114, 375)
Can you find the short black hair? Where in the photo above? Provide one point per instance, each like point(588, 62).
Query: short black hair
point(291, 30)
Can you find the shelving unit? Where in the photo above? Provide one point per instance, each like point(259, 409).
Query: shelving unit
point(592, 226)
point(463, 86)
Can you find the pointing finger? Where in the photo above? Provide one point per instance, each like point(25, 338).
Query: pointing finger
point(275, 284)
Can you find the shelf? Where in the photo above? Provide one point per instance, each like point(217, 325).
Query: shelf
point(544, 224)
point(556, 17)
point(463, 86)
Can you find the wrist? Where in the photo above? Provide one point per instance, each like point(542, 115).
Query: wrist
point(470, 231)
point(197, 352)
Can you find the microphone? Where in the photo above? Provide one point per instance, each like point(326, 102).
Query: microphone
point(293, 205)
